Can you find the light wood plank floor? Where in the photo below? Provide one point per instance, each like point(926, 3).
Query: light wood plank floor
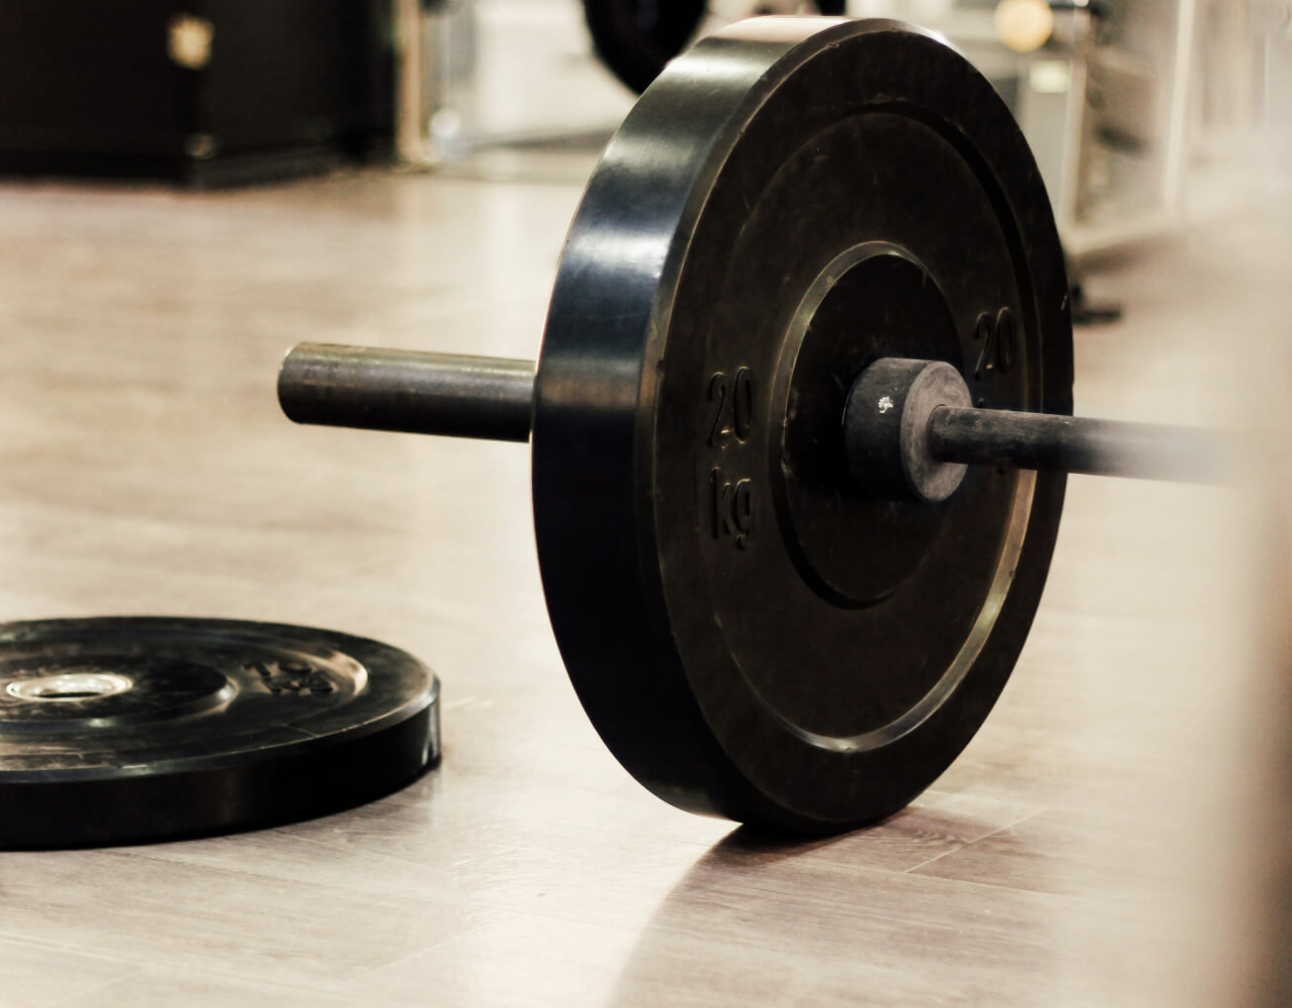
point(1084, 850)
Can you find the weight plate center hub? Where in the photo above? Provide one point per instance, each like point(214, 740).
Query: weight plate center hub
point(886, 428)
point(790, 202)
point(869, 302)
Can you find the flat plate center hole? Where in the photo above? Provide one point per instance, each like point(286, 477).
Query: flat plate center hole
point(69, 686)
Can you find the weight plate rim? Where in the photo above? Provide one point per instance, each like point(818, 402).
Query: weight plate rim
point(681, 763)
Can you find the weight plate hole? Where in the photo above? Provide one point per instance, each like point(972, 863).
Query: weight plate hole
point(69, 686)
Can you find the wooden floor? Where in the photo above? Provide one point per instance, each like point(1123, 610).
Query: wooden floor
point(1087, 849)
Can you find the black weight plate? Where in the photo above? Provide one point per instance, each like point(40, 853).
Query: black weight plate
point(121, 730)
point(752, 635)
point(637, 38)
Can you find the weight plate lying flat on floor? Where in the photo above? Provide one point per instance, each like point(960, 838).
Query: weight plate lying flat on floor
point(751, 633)
point(120, 730)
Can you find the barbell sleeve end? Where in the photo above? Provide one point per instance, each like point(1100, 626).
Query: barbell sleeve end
point(407, 391)
point(1082, 445)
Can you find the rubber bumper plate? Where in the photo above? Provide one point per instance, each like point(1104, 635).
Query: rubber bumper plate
point(752, 634)
point(120, 730)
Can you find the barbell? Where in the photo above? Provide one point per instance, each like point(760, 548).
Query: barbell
point(800, 424)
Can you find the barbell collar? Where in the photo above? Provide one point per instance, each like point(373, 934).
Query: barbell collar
point(408, 391)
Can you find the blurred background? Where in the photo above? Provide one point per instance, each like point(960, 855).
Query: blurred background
point(209, 182)
point(1125, 102)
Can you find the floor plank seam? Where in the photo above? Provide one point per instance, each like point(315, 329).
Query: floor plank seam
point(915, 869)
point(62, 947)
point(446, 940)
point(97, 988)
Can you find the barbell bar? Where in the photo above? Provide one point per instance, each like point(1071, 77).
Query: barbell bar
point(889, 416)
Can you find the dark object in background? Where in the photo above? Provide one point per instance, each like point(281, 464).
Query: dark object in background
point(207, 92)
point(635, 38)
point(1086, 312)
